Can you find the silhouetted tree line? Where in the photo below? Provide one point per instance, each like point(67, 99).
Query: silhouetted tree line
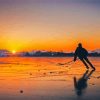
point(57, 54)
point(5, 53)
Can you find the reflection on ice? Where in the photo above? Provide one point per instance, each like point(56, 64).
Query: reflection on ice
point(81, 84)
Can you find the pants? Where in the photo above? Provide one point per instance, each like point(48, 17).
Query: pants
point(84, 60)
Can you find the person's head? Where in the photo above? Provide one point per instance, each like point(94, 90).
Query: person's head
point(79, 45)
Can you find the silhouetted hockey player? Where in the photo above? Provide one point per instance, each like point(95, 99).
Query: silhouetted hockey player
point(82, 54)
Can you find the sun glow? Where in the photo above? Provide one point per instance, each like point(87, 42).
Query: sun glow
point(13, 52)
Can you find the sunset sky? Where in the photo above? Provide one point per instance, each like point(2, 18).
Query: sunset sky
point(49, 24)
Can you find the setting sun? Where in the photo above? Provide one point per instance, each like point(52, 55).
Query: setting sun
point(13, 51)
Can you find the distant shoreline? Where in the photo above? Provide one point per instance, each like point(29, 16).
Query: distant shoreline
point(46, 56)
point(4, 53)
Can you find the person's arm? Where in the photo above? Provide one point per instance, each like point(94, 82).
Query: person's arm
point(75, 55)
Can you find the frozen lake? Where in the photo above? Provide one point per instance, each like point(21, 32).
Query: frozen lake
point(30, 78)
